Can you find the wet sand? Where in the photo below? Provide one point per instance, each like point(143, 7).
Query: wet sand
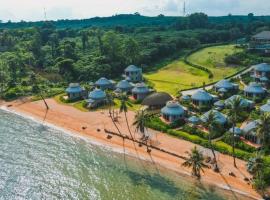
point(94, 124)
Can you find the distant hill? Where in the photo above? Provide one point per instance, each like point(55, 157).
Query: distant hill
point(131, 20)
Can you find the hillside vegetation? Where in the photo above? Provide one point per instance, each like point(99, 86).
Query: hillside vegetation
point(46, 56)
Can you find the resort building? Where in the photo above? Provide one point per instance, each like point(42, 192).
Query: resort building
point(265, 108)
point(219, 105)
point(237, 131)
point(157, 100)
point(194, 120)
point(104, 83)
point(245, 103)
point(219, 117)
point(202, 98)
point(185, 98)
point(133, 73)
point(96, 98)
point(173, 111)
point(225, 86)
point(140, 91)
point(249, 131)
point(261, 72)
point(260, 42)
point(124, 86)
point(254, 90)
point(75, 91)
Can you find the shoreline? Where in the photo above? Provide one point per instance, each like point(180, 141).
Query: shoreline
point(31, 110)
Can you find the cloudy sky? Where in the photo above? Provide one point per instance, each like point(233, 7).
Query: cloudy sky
point(33, 10)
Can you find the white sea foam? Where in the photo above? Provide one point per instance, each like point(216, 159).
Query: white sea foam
point(63, 130)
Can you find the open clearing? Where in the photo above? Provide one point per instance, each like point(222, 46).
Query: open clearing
point(178, 75)
point(213, 59)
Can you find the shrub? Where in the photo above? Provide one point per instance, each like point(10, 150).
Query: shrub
point(195, 131)
point(239, 143)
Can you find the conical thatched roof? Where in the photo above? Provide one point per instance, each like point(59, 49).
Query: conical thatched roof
point(172, 108)
point(74, 88)
point(254, 88)
point(156, 99)
point(263, 67)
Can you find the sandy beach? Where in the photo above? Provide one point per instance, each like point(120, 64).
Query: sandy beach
point(95, 123)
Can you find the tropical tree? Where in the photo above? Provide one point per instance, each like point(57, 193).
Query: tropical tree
point(210, 123)
point(263, 129)
point(124, 108)
point(110, 103)
point(195, 160)
point(140, 121)
point(84, 39)
point(256, 167)
point(235, 109)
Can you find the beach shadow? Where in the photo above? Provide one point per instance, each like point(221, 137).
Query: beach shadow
point(229, 187)
point(207, 193)
point(155, 181)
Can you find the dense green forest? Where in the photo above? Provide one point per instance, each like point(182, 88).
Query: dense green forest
point(39, 56)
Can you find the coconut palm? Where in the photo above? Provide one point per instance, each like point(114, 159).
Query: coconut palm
point(141, 118)
point(210, 123)
point(263, 128)
point(235, 109)
point(110, 103)
point(256, 167)
point(195, 160)
point(124, 108)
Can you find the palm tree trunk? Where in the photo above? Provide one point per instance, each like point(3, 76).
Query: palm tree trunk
point(47, 107)
point(115, 125)
point(233, 146)
point(128, 126)
point(214, 154)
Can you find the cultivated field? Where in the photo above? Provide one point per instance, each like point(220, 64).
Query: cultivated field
point(213, 59)
point(178, 75)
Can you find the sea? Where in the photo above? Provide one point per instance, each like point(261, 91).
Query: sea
point(38, 161)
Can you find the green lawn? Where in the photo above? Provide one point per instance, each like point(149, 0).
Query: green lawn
point(213, 59)
point(79, 105)
point(177, 75)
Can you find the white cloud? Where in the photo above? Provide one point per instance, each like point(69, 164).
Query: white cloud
point(63, 9)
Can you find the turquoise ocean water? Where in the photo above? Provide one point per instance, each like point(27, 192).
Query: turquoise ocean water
point(41, 162)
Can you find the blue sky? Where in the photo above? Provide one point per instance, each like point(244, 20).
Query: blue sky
point(33, 10)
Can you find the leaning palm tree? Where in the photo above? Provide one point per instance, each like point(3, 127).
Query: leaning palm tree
point(110, 103)
point(263, 129)
point(195, 160)
point(235, 109)
point(124, 108)
point(210, 123)
point(140, 121)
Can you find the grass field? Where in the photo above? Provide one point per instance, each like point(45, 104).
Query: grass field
point(177, 75)
point(213, 59)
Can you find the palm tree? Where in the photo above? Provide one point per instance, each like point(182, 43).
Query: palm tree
point(141, 118)
point(140, 121)
point(256, 167)
point(195, 160)
point(235, 109)
point(124, 108)
point(263, 129)
point(110, 103)
point(210, 123)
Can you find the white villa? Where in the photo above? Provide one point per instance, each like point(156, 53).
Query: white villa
point(133, 74)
